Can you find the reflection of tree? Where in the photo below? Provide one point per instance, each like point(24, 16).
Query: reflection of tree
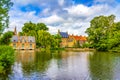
point(5, 75)
point(101, 66)
point(61, 58)
point(27, 58)
point(39, 61)
point(42, 60)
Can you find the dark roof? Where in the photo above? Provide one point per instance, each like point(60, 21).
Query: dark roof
point(64, 34)
point(31, 39)
point(14, 39)
point(25, 38)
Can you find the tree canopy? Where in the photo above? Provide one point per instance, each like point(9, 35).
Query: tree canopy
point(5, 6)
point(43, 37)
point(5, 38)
point(30, 28)
point(104, 33)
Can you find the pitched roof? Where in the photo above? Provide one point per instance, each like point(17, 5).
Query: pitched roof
point(26, 38)
point(14, 39)
point(79, 38)
point(31, 39)
point(64, 34)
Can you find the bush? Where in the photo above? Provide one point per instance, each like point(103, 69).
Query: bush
point(6, 57)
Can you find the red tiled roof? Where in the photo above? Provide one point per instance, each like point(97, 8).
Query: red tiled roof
point(79, 38)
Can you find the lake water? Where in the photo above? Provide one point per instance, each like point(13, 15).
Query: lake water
point(64, 65)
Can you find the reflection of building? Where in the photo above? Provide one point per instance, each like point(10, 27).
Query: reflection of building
point(25, 56)
point(22, 42)
point(71, 40)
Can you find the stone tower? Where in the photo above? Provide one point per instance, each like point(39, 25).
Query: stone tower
point(15, 31)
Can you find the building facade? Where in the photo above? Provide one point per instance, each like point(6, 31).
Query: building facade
point(71, 40)
point(22, 42)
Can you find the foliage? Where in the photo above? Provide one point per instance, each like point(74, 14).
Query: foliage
point(57, 41)
point(5, 39)
point(31, 29)
point(77, 44)
point(6, 57)
point(46, 40)
point(104, 33)
point(86, 45)
point(4, 18)
point(43, 38)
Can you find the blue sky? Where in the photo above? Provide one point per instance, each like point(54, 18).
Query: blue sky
point(72, 16)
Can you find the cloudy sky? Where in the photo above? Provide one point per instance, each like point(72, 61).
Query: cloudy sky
point(72, 16)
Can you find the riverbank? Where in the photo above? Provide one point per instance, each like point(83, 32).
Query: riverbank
point(79, 49)
point(67, 49)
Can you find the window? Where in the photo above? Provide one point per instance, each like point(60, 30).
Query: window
point(30, 45)
point(30, 40)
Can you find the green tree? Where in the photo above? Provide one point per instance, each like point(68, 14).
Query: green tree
point(56, 41)
point(31, 29)
point(45, 39)
point(100, 31)
point(41, 26)
point(5, 6)
point(6, 38)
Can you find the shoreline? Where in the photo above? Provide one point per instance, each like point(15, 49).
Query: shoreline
point(79, 49)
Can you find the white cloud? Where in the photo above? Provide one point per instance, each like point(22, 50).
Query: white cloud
point(18, 18)
point(75, 19)
point(82, 10)
point(53, 19)
point(61, 2)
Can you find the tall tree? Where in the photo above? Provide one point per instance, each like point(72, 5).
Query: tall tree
point(45, 39)
point(5, 6)
point(31, 29)
point(100, 31)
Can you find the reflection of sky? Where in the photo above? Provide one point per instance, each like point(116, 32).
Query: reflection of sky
point(72, 67)
point(17, 74)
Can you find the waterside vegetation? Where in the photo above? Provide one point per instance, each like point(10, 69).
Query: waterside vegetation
point(6, 52)
point(104, 33)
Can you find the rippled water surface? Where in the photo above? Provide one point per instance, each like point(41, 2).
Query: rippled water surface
point(64, 65)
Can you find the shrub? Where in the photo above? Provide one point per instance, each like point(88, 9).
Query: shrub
point(6, 57)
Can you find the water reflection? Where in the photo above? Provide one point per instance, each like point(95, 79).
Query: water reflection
point(101, 66)
point(72, 66)
point(65, 65)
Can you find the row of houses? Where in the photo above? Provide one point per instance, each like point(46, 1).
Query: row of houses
point(71, 40)
point(28, 42)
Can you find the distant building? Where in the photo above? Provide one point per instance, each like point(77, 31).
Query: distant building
point(65, 38)
point(71, 40)
point(23, 42)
